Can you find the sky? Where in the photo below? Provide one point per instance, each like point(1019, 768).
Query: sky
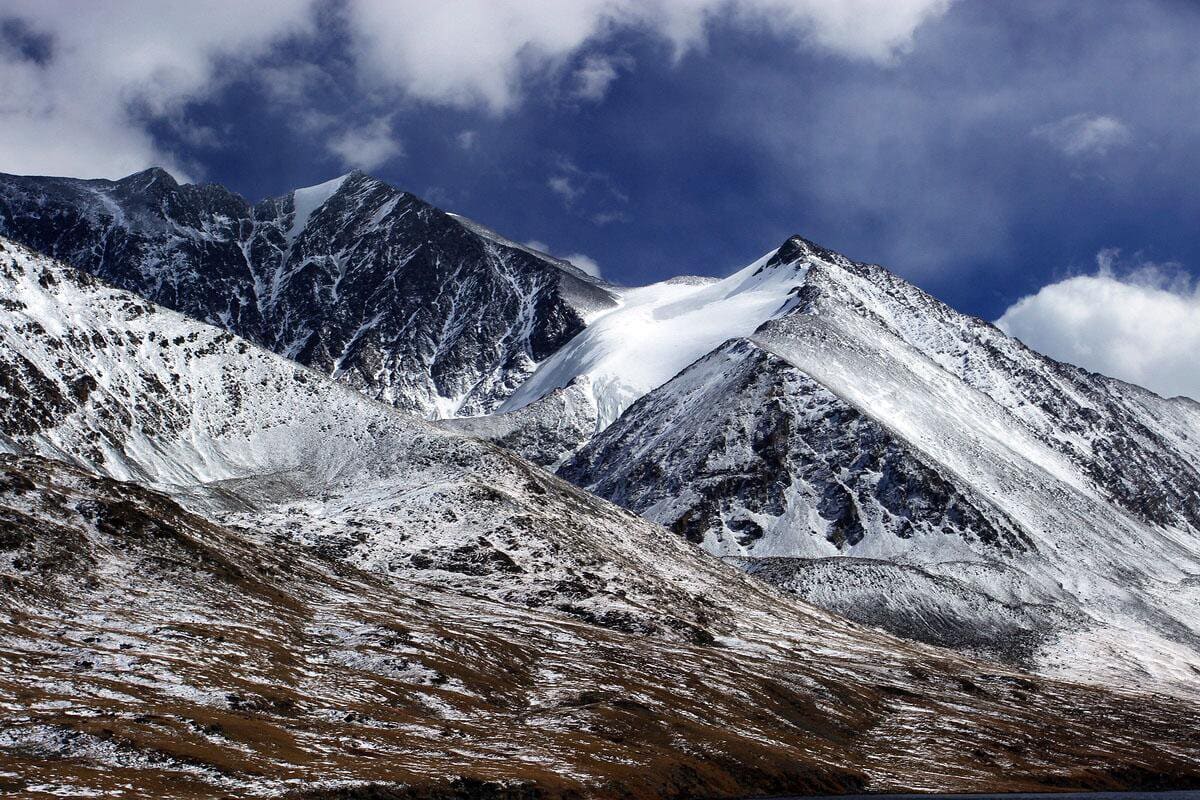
point(1032, 162)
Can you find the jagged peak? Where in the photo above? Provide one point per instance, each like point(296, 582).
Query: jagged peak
point(802, 253)
point(357, 179)
point(797, 248)
point(148, 177)
point(359, 175)
point(328, 187)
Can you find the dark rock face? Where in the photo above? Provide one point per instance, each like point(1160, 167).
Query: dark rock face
point(354, 278)
point(721, 453)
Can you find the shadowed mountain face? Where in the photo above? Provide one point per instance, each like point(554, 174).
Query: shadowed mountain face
point(354, 278)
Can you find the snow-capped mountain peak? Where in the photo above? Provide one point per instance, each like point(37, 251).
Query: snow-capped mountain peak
point(659, 329)
point(1029, 509)
point(307, 200)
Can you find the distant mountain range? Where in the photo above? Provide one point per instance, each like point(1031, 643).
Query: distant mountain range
point(279, 512)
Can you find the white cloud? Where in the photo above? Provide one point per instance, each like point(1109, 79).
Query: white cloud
point(563, 186)
point(1142, 326)
point(367, 147)
point(420, 46)
point(80, 99)
point(1082, 135)
point(595, 75)
point(876, 30)
point(81, 110)
point(584, 262)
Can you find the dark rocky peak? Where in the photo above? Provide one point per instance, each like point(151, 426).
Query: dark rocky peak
point(149, 179)
point(358, 192)
point(352, 277)
point(343, 207)
point(797, 248)
point(152, 197)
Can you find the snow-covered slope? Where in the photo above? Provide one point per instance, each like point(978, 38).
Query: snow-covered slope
point(658, 330)
point(354, 278)
point(1026, 508)
point(144, 646)
point(104, 380)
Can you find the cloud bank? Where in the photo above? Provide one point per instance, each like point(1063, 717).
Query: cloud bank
point(1139, 324)
point(85, 84)
point(367, 147)
point(79, 104)
point(419, 46)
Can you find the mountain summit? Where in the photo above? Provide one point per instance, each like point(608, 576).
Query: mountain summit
point(882, 455)
point(354, 278)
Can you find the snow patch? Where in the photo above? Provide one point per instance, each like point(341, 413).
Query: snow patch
point(306, 201)
point(660, 329)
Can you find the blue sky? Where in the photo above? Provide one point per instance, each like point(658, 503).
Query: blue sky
point(987, 151)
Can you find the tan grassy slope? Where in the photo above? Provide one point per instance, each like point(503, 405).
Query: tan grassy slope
point(141, 646)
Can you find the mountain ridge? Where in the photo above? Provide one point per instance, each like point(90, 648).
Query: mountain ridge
point(371, 288)
point(848, 414)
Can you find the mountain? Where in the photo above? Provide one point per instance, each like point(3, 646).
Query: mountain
point(875, 452)
point(103, 380)
point(412, 306)
point(969, 492)
point(654, 333)
point(308, 591)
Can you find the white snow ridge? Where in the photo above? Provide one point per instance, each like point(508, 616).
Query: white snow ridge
point(658, 330)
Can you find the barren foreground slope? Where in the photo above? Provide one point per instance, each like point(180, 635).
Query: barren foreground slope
point(147, 652)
